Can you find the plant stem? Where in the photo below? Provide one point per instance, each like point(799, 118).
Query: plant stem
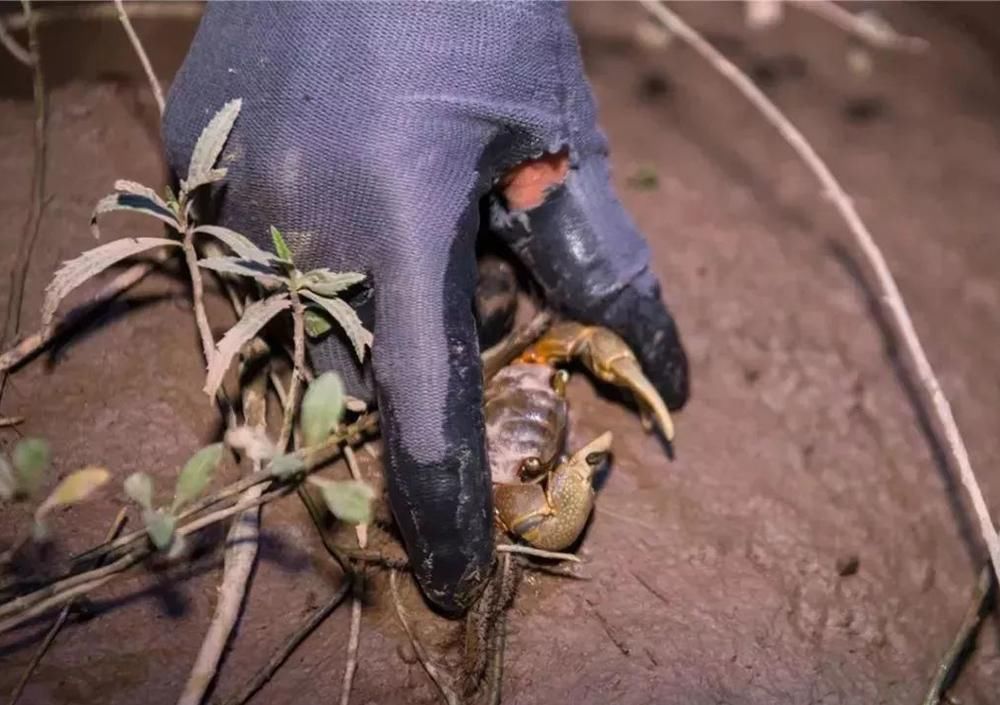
point(281, 655)
point(298, 365)
point(891, 295)
point(141, 52)
point(198, 293)
point(537, 552)
point(50, 636)
point(947, 666)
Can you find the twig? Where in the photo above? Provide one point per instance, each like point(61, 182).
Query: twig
point(121, 283)
point(298, 365)
point(312, 457)
point(19, 272)
point(11, 45)
point(50, 637)
point(241, 553)
point(357, 590)
point(141, 53)
point(281, 655)
point(57, 593)
point(949, 663)
point(10, 421)
point(104, 11)
point(876, 32)
point(891, 295)
point(434, 671)
point(537, 552)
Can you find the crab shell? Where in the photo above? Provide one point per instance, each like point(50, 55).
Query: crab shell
point(525, 418)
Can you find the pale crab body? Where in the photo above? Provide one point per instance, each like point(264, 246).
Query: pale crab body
point(540, 495)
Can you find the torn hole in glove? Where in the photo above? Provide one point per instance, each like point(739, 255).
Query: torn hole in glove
point(528, 184)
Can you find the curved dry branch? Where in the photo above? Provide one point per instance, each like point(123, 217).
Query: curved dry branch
point(891, 295)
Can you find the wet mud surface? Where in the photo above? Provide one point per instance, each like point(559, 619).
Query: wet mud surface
point(808, 545)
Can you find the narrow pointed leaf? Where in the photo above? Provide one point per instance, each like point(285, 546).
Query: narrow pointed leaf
point(240, 244)
point(280, 246)
point(317, 323)
point(139, 488)
point(75, 272)
point(138, 203)
point(210, 143)
point(76, 487)
point(209, 177)
point(254, 318)
point(159, 527)
point(31, 460)
point(327, 283)
point(322, 407)
point(243, 267)
point(348, 320)
point(196, 475)
point(348, 500)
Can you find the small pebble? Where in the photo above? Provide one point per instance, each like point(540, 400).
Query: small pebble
point(847, 565)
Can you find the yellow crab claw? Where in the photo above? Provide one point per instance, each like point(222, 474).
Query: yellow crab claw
point(611, 360)
point(608, 357)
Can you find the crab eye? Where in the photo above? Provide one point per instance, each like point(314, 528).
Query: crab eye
point(596, 458)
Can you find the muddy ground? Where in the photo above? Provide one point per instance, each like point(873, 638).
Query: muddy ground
point(714, 578)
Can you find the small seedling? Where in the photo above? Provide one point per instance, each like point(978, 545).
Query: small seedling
point(191, 483)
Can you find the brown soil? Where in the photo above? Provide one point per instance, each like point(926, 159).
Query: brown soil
point(714, 578)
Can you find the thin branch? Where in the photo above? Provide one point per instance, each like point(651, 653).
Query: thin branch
point(50, 637)
point(876, 32)
point(11, 45)
point(949, 663)
point(313, 458)
point(105, 11)
point(433, 670)
point(357, 590)
point(241, 552)
point(537, 552)
point(6, 421)
point(298, 365)
point(121, 283)
point(891, 295)
point(19, 272)
point(281, 655)
point(141, 53)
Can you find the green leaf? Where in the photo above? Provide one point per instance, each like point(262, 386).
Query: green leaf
point(139, 488)
point(284, 466)
point(322, 407)
point(255, 317)
point(348, 319)
point(31, 460)
point(240, 244)
point(263, 274)
point(348, 500)
point(76, 487)
point(317, 323)
point(280, 246)
point(160, 527)
point(209, 146)
point(196, 475)
point(327, 283)
point(75, 272)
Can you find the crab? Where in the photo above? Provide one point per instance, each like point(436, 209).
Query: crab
point(541, 495)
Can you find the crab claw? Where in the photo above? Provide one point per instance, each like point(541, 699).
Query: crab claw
point(611, 360)
point(608, 357)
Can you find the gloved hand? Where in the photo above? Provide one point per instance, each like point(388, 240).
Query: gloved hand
point(371, 134)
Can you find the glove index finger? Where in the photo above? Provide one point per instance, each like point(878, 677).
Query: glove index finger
point(569, 228)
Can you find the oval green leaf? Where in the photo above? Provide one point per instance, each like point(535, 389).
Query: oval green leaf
point(348, 500)
point(322, 407)
point(31, 460)
point(139, 488)
point(76, 487)
point(196, 475)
